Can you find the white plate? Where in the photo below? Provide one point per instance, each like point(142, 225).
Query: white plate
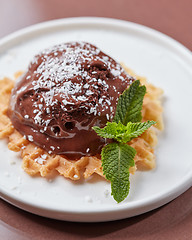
point(165, 63)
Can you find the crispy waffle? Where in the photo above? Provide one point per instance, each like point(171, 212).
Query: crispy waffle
point(38, 161)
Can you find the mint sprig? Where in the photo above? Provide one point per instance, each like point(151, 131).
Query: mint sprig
point(118, 157)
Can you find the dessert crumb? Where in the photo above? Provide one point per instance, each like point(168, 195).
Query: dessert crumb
point(19, 180)
point(7, 174)
point(12, 162)
point(88, 199)
point(106, 192)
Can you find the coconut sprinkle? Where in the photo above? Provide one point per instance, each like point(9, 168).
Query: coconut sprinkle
point(30, 138)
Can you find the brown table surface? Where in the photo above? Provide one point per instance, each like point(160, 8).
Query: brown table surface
point(172, 221)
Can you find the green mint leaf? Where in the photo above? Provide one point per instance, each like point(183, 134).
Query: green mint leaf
point(122, 133)
point(136, 129)
point(130, 104)
point(116, 159)
point(112, 130)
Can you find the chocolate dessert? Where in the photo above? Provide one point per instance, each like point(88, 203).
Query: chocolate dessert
point(67, 90)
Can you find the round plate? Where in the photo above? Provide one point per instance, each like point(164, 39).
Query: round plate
point(165, 63)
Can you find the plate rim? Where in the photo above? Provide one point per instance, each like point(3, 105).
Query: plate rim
point(151, 203)
point(51, 24)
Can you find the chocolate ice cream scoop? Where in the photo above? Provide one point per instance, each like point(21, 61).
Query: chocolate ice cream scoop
point(67, 90)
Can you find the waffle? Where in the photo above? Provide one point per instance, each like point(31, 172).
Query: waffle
point(37, 161)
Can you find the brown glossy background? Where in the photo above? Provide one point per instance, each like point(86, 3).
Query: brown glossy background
point(172, 221)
